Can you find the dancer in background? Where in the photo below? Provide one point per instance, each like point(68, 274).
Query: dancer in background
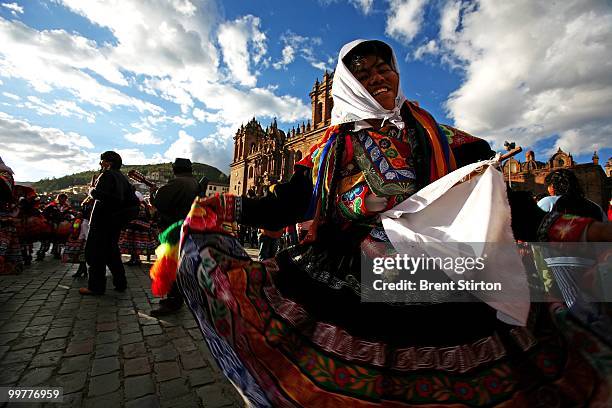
point(139, 237)
point(60, 215)
point(11, 259)
point(566, 195)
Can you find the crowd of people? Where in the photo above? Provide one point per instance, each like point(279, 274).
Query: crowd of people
point(114, 219)
point(290, 329)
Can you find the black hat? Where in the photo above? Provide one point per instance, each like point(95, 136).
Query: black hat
point(112, 157)
point(182, 165)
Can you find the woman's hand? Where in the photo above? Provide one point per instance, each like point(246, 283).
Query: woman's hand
point(374, 203)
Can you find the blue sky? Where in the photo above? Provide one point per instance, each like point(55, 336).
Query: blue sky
point(159, 79)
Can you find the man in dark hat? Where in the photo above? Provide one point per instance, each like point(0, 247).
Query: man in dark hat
point(172, 202)
point(115, 204)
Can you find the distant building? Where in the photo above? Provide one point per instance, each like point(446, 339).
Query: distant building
point(265, 157)
point(215, 187)
point(530, 174)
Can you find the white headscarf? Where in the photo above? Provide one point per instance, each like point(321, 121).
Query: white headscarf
point(352, 102)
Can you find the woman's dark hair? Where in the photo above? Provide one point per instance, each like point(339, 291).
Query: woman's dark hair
point(367, 48)
point(572, 199)
point(564, 182)
point(113, 158)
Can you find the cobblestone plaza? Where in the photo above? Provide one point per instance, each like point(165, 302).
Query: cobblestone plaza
point(104, 351)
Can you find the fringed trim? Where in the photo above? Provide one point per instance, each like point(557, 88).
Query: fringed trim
point(163, 271)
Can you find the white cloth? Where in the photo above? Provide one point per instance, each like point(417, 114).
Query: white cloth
point(474, 211)
point(352, 102)
point(84, 230)
point(547, 203)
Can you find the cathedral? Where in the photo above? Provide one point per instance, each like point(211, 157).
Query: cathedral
point(263, 157)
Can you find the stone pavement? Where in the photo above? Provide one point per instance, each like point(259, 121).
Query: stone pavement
point(104, 351)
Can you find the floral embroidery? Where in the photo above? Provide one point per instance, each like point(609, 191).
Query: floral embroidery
point(342, 377)
point(493, 384)
point(548, 363)
point(380, 152)
point(385, 143)
point(464, 391)
point(391, 153)
point(423, 387)
point(352, 203)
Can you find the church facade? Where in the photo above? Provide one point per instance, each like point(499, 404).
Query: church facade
point(263, 157)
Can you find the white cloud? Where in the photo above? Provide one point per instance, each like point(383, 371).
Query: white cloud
point(242, 42)
point(190, 72)
point(404, 19)
point(166, 50)
point(11, 96)
point(232, 106)
point(135, 156)
point(288, 57)
point(200, 114)
point(182, 121)
point(14, 7)
point(589, 138)
point(37, 152)
point(305, 47)
point(63, 56)
point(365, 6)
point(431, 47)
point(143, 137)
point(214, 150)
point(157, 38)
point(58, 107)
point(532, 70)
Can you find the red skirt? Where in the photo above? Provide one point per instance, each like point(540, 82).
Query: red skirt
point(138, 239)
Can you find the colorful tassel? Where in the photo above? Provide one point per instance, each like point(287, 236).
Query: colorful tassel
point(163, 271)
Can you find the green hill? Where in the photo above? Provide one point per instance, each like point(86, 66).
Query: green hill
point(84, 177)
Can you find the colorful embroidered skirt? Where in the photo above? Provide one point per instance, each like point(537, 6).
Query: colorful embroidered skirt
point(279, 354)
point(11, 260)
point(74, 251)
point(139, 238)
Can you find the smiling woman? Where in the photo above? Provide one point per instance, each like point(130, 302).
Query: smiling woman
point(293, 330)
point(371, 64)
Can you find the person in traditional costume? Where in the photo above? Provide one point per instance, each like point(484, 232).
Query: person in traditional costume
point(11, 259)
point(292, 331)
point(567, 195)
point(139, 237)
point(60, 214)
